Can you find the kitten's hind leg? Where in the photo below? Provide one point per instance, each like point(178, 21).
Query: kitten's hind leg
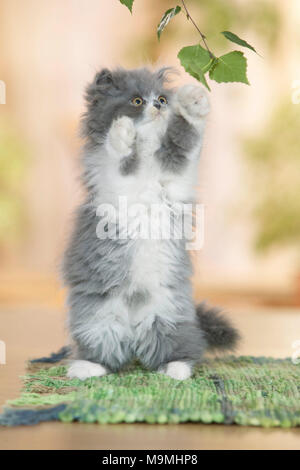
point(178, 370)
point(84, 369)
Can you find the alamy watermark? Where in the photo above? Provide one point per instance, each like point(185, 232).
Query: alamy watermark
point(2, 92)
point(2, 353)
point(158, 221)
point(296, 92)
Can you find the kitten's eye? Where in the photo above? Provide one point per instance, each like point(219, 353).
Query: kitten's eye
point(163, 100)
point(137, 101)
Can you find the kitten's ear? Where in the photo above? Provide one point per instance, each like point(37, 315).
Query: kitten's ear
point(164, 75)
point(100, 86)
point(103, 78)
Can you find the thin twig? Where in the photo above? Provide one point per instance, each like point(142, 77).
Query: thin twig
point(197, 28)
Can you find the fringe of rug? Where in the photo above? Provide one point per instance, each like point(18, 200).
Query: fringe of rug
point(19, 417)
point(14, 417)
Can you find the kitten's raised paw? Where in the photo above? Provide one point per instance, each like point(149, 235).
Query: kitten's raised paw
point(84, 369)
point(122, 135)
point(193, 101)
point(178, 370)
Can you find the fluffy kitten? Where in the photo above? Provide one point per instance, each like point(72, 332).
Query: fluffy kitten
point(131, 297)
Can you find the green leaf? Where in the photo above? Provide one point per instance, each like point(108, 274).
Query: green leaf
point(231, 67)
point(128, 4)
point(196, 61)
point(169, 14)
point(234, 38)
point(199, 75)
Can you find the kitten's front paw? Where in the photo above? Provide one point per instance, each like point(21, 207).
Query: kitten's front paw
point(193, 101)
point(122, 135)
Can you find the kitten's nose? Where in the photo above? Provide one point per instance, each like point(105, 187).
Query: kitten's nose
point(156, 104)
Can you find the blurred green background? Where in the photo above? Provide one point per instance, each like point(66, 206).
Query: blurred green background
point(250, 170)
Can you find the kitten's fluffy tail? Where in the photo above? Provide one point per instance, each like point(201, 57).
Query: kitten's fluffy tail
point(219, 333)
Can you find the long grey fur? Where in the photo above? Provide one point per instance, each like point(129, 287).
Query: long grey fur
point(100, 272)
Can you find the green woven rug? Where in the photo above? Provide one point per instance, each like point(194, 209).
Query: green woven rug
point(254, 391)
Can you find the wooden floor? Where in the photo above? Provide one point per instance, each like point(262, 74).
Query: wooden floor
point(32, 332)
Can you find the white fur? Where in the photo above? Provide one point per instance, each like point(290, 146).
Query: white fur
point(192, 103)
point(152, 263)
point(150, 183)
point(150, 186)
point(121, 137)
point(178, 370)
point(84, 369)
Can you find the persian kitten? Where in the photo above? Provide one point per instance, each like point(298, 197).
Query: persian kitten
point(130, 297)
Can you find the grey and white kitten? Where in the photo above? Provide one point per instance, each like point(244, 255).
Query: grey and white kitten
point(132, 298)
